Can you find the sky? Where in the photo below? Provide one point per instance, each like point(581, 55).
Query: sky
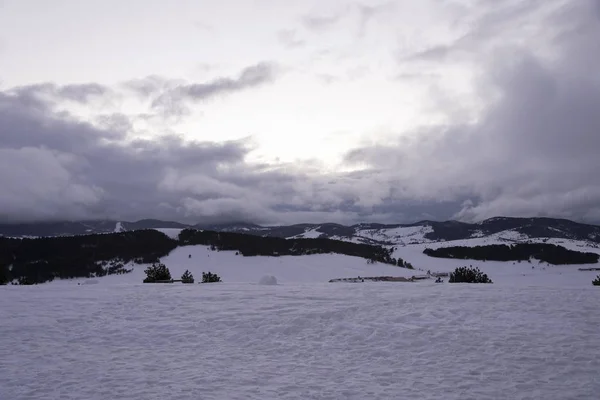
point(281, 112)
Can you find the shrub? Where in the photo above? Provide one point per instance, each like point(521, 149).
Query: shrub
point(187, 277)
point(25, 280)
point(209, 277)
point(157, 272)
point(596, 282)
point(468, 275)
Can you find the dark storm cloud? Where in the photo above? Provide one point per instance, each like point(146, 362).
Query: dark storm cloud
point(534, 150)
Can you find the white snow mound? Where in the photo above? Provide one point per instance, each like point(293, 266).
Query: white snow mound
point(268, 280)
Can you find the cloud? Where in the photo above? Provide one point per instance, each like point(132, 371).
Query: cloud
point(289, 38)
point(533, 149)
point(484, 25)
point(55, 166)
point(368, 12)
point(320, 23)
point(173, 98)
point(79, 93)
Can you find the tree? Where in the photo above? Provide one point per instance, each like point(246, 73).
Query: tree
point(4, 275)
point(596, 282)
point(157, 272)
point(25, 280)
point(468, 275)
point(187, 277)
point(209, 277)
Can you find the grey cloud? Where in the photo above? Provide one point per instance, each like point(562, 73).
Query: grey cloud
point(289, 38)
point(151, 85)
point(55, 167)
point(533, 151)
point(115, 122)
point(489, 24)
point(368, 12)
point(80, 93)
point(319, 23)
point(173, 100)
point(249, 77)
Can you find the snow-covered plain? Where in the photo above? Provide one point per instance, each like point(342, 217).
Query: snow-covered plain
point(299, 341)
point(533, 334)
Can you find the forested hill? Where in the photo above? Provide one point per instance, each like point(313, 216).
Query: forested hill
point(550, 253)
point(44, 259)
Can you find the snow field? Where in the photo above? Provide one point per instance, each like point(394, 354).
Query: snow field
point(299, 341)
point(237, 268)
point(505, 273)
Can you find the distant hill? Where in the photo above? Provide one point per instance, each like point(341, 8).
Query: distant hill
point(32, 261)
point(421, 232)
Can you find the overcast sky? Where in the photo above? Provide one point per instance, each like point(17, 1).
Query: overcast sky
point(294, 111)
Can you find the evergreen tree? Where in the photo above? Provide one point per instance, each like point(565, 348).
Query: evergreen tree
point(4, 275)
point(468, 275)
point(187, 277)
point(157, 272)
point(209, 277)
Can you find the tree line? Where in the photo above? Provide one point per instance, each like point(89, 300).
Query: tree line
point(550, 253)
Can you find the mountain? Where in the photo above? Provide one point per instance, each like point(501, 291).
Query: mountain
point(517, 229)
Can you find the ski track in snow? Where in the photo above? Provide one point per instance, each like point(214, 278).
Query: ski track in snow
point(299, 341)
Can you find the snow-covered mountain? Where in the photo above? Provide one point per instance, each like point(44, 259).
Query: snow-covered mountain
point(499, 228)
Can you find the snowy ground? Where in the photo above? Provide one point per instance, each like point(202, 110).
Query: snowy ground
point(238, 269)
point(512, 274)
point(299, 341)
point(533, 334)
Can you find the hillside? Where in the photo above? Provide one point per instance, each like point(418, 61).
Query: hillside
point(512, 229)
point(30, 261)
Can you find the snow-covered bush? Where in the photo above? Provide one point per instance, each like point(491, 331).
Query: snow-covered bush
point(596, 282)
point(268, 280)
point(209, 277)
point(157, 272)
point(187, 277)
point(468, 275)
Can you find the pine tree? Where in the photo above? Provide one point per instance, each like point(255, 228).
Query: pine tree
point(468, 275)
point(209, 277)
point(187, 277)
point(157, 272)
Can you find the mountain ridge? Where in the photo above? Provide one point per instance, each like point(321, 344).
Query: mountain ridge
point(372, 233)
